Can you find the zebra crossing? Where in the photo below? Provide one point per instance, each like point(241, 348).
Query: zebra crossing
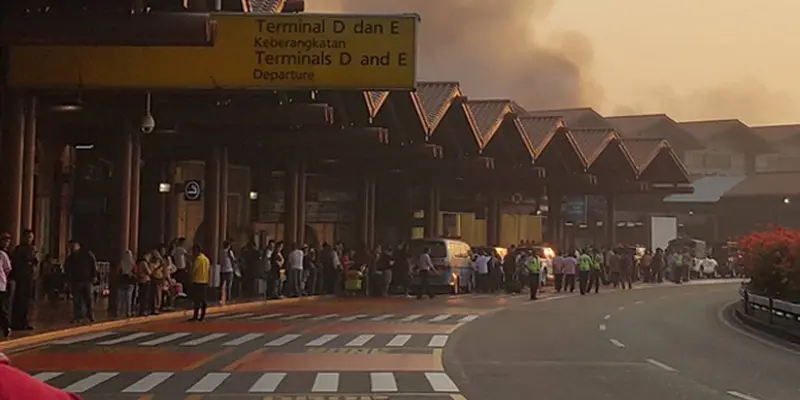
point(362, 317)
point(191, 339)
point(252, 383)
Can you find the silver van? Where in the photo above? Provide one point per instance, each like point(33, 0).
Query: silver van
point(452, 259)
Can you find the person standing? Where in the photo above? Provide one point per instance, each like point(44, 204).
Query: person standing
point(594, 273)
point(482, 265)
point(127, 280)
point(646, 264)
point(657, 266)
point(276, 261)
point(295, 270)
point(201, 277)
point(226, 263)
point(585, 267)
point(401, 275)
point(570, 269)
point(534, 269)
point(5, 271)
point(558, 272)
point(180, 257)
point(23, 264)
point(81, 269)
point(425, 269)
point(626, 265)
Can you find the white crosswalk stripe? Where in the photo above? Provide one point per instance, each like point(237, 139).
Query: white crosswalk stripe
point(164, 339)
point(383, 317)
point(209, 383)
point(243, 339)
point(440, 318)
point(383, 382)
point(148, 383)
point(324, 317)
point(469, 318)
point(440, 382)
point(438, 341)
point(204, 339)
point(268, 382)
point(353, 317)
point(283, 340)
point(296, 317)
point(90, 382)
point(326, 382)
point(359, 341)
point(411, 318)
point(82, 338)
point(267, 316)
point(126, 338)
point(46, 376)
point(236, 316)
point(399, 341)
point(321, 341)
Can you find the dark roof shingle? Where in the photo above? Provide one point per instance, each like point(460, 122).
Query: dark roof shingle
point(539, 130)
point(488, 115)
point(266, 6)
point(592, 141)
point(574, 117)
point(434, 100)
point(643, 150)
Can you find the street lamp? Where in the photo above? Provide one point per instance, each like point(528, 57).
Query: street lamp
point(786, 200)
point(253, 195)
point(164, 187)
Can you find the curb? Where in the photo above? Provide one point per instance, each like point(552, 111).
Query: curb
point(772, 330)
point(101, 326)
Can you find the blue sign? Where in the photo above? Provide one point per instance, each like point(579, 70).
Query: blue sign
point(575, 209)
point(192, 191)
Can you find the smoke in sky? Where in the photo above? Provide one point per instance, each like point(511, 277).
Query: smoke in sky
point(491, 47)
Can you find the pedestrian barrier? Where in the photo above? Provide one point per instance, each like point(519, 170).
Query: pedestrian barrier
point(773, 307)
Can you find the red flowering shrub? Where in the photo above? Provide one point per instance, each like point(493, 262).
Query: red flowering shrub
point(772, 261)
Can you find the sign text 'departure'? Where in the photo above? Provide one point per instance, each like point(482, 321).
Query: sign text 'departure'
point(264, 51)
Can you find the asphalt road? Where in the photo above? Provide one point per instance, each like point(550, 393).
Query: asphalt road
point(661, 343)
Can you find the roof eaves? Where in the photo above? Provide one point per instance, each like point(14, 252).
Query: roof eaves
point(574, 144)
point(525, 139)
point(462, 101)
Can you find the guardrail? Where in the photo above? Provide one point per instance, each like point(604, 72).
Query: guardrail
point(773, 307)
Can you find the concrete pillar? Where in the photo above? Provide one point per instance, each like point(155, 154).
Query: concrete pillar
point(292, 193)
point(493, 220)
point(211, 197)
point(432, 211)
point(371, 210)
point(611, 223)
point(136, 190)
point(29, 164)
point(124, 168)
point(366, 210)
point(302, 190)
point(13, 151)
point(555, 220)
point(224, 169)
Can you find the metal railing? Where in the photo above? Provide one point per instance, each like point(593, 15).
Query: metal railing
point(773, 307)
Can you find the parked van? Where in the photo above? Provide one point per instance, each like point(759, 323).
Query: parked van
point(452, 260)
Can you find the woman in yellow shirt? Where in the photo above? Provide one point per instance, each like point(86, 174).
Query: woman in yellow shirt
point(201, 277)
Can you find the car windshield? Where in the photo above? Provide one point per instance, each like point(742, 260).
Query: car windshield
point(438, 248)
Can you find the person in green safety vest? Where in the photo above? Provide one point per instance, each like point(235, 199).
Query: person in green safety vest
point(584, 268)
point(594, 273)
point(534, 270)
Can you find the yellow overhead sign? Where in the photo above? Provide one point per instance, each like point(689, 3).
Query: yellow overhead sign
point(280, 51)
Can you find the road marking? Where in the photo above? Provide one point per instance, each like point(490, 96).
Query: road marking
point(399, 341)
point(46, 376)
point(359, 341)
point(740, 395)
point(638, 302)
point(282, 340)
point(209, 383)
point(324, 317)
point(382, 317)
point(147, 383)
point(440, 318)
point(236, 316)
point(127, 338)
point(84, 338)
point(204, 339)
point(268, 382)
point(320, 341)
point(165, 339)
point(603, 327)
point(411, 318)
point(438, 341)
point(353, 317)
point(383, 382)
point(661, 365)
point(753, 336)
point(620, 308)
point(326, 382)
point(243, 339)
point(295, 317)
point(90, 382)
point(266, 316)
point(469, 318)
point(607, 317)
point(617, 343)
point(440, 382)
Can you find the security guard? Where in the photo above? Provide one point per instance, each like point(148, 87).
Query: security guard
point(584, 268)
point(534, 270)
point(594, 274)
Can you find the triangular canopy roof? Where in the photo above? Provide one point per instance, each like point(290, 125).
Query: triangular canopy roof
point(592, 142)
point(575, 117)
point(654, 126)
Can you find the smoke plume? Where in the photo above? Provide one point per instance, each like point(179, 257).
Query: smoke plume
point(491, 47)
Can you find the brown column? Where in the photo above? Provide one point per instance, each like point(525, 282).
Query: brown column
point(366, 210)
point(555, 224)
point(291, 191)
point(223, 194)
point(302, 190)
point(371, 196)
point(29, 164)
point(13, 151)
point(493, 221)
point(124, 167)
point(136, 189)
point(211, 197)
point(611, 223)
point(432, 211)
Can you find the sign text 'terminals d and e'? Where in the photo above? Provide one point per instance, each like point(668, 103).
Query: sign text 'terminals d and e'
point(294, 49)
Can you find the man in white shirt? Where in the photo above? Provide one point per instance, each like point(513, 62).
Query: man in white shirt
point(5, 269)
point(425, 268)
point(482, 265)
point(295, 270)
point(179, 257)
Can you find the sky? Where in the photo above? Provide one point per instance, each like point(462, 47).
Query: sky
point(691, 59)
